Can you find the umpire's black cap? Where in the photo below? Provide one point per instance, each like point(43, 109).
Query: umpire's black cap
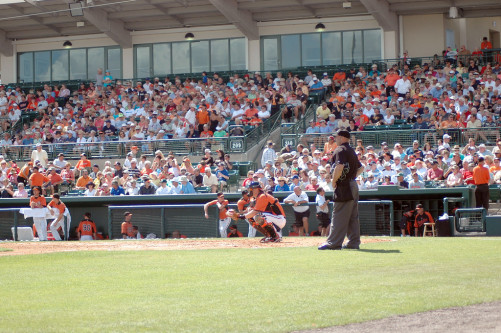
point(344, 133)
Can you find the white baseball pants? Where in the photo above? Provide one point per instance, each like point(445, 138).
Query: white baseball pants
point(41, 225)
point(223, 226)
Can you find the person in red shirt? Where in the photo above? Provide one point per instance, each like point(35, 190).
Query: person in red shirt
point(87, 229)
point(222, 205)
point(54, 179)
point(57, 209)
point(486, 45)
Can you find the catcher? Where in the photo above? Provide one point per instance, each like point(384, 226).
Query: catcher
point(267, 216)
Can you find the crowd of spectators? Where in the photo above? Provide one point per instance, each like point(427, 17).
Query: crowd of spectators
point(455, 97)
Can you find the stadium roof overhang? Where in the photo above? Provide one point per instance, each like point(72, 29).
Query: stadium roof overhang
point(31, 19)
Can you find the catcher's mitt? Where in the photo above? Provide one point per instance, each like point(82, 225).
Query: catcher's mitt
point(232, 214)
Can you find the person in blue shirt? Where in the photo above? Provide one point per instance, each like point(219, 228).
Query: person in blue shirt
point(186, 186)
point(222, 175)
point(116, 189)
point(282, 185)
point(107, 79)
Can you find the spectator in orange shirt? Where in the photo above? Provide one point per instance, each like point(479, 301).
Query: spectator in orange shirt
point(83, 180)
point(330, 145)
point(486, 45)
point(338, 80)
point(83, 163)
point(38, 179)
point(202, 117)
point(496, 166)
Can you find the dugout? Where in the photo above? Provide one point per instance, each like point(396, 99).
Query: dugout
point(375, 218)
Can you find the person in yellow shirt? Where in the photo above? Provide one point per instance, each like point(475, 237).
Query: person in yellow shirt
point(323, 111)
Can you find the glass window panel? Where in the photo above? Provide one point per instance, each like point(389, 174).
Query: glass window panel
point(78, 64)
point(143, 61)
point(26, 67)
point(181, 57)
point(291, 56)
point(199, 56)
point(352, 47)
point(219, 55)
point(310, 47)
point(60, 67)
point(115, 62)
point(161, 59)
point(95, 60)
point(270, 54)
point(237, 54)
point(42, 66)
point(332, 51)
point(372, 45)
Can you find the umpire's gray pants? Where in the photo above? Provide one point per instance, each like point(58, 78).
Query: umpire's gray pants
point(345, 221)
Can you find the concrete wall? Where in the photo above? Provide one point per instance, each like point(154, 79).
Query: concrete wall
point(477, 28)
point(424, 35)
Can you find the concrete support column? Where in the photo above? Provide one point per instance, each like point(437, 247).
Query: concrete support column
point(391, 41)
point(128, 63)
point(8, 69)
point(254, 55)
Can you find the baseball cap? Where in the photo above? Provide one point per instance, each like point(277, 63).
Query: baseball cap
point(255, 185)
point(127, 213)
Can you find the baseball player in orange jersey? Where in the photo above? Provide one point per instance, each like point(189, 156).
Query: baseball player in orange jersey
point(87, 229)
point(224, 221)
point(57, 208)
point(37, 201)
point(243, 206)
point(267, 215)
point(127, 227)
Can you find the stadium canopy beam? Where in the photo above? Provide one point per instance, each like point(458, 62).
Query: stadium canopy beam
point(35, 18)
point(174, 18)
point(114, 29)
point(380, 10)
point(5, 45)
point(241, 19)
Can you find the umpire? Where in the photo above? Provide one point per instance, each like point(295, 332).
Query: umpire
point(345, 214)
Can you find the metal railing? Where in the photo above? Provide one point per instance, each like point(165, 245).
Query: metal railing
point(403, 136)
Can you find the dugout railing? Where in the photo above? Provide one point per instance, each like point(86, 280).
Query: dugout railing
point(376, 219)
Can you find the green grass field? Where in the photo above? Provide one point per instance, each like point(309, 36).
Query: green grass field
point(244, 290)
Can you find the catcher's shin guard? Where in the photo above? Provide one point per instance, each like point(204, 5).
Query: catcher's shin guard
point(260, 229)
point(270, 229)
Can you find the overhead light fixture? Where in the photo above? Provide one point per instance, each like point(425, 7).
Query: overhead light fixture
point(67, 44)
point(347, 4)
point(453, 12)
point(189, 36)
point(320, 27)
point(76, 9)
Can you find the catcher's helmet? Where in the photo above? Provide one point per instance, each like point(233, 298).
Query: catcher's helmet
point(255, 185)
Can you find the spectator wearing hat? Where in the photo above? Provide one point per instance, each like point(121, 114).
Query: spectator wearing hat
point(282, 185)
point(104, 191)
point(222, 175)
point(91, 190)
point(400, 181)
point(147, 188)
point(163, 189)
point(186, 185)
point(434, 173)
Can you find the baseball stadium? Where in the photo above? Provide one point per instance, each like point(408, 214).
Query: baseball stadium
point(250, 166)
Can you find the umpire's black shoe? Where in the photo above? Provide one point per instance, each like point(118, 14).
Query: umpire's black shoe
point(351, 247)
point(328, 247)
